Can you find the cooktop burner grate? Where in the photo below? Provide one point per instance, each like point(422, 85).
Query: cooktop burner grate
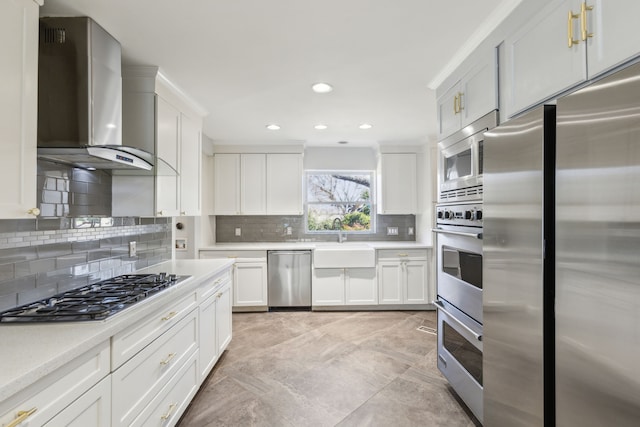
point(93, 302)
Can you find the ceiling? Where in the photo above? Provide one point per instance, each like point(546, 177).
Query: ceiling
point(250, 63)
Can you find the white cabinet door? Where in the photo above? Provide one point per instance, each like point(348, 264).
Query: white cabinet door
point(207, 339)
point(190, 166)
point(360, 286)
point(284, 184)
point(398, 193)
point(390, 282)
point(93, 408)
point(253, 198)
point(539, 62)
point(250, 284)
point(416, 291)
point(328, 286)
point(479, 90)
point(223, 318)
point(18, 106)
point(449, 119)
point(611, 26)
point(227, 184)
point(167, 165)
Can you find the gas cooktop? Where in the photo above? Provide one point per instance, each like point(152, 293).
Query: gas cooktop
point(93, 302)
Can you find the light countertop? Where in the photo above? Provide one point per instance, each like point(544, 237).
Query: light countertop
point(31, 351)
point(271, 246)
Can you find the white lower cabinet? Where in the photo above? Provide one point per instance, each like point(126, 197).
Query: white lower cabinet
point(141, 379)
point(93, 408)
point(403, 277)
point(249, 277)
point(67, 395)
point(215, 322)
point(344, 286)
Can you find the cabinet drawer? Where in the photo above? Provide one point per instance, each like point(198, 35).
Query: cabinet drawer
point(93, 408)
point(57, 390)
point(127, 343)
point(402, 254)
point(214, 284)
point(242, 256)
point(139, 380)
point(171, 402)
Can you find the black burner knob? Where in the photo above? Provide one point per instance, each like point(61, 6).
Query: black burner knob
point(479, 215)
point(162, 276)
point(467, 214)
point(173, 277)
point(440, 214)
point(448, 215)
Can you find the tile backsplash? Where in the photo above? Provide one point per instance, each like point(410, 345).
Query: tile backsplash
point(273, 228)
point(41, 257)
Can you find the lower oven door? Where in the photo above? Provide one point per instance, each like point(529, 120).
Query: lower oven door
point(460, 354)
point(459, 264)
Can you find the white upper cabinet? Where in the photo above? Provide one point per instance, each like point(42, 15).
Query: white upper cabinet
point(258, 184)
point(610, 33)
point(18, 106)
point(226, 185)
point(190, 166)
point(565, 44)
point(159, 119)
point(284, 184)
point(397, 184)
point(253, 194)
point(469, 98)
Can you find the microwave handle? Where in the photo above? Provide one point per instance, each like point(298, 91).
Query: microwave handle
point(440, 306)
point(457, 233)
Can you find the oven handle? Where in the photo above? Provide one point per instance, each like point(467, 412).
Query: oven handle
point(458, 233)
point(468, 329)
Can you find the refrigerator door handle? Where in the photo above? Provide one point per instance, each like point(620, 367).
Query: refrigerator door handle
point(457, 233)
point(459, 323)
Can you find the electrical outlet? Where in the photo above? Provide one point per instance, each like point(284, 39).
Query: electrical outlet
point(392, 231)
point(289, 231)
point(133, 249)
point(238, 231)
point(410, 231)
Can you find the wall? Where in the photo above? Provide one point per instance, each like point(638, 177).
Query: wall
point(44, 256)
point(265, 228)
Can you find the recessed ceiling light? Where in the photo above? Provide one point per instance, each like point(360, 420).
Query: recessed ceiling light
point(365, 126)
point(273, 126)
point(320, 127)
point(322, 88)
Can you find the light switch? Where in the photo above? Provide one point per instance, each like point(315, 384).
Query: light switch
point(238, 231)
point(392, 231)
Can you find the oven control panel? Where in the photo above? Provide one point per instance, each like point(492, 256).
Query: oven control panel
point(463, 214)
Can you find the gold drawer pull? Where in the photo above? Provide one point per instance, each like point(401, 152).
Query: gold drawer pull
point(219, 295)
point(217, 282)
point(403, 254)
point(168, 413)
point(170, 315)
point(21, 416)
point(168, 359)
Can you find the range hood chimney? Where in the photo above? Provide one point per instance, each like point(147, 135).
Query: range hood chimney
point(80, 97)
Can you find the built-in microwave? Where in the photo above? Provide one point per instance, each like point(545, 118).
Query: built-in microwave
point(460, 161)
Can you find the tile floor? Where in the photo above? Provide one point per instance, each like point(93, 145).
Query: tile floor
point(328, 369)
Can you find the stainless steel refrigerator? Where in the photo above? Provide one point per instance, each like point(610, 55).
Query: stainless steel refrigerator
point(562, 337)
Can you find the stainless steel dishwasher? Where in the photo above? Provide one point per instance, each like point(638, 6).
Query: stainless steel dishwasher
point(289, 279)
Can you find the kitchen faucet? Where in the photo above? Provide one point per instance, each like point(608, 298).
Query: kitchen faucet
point(341, 238)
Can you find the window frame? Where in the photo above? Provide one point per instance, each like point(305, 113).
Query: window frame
point(372, 199)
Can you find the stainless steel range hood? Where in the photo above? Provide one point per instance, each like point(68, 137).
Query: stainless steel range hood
point(80, 97)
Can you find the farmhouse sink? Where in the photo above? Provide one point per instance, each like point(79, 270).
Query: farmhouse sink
point(344, 255)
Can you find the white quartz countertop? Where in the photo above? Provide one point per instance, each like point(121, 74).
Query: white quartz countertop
point(33, 350)
point(274, 246)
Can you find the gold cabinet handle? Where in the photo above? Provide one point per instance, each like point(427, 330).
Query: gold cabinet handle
point(183, 213)
point(570, 40)
point(460, 107)
point(170, 315)
point(219, 295)
point(583, 21)
point(168, 359)
point(21, 416)
point(455, 104)
point(34, 211)
point(168, 413)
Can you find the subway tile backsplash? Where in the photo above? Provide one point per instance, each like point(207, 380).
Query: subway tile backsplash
point(272, 228)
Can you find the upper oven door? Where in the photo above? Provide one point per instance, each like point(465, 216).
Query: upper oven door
point(461, 168)
point(459, 263)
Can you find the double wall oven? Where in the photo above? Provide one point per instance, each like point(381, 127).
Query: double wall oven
point(459, 260)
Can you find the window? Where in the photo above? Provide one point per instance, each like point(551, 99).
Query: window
point(339, 195)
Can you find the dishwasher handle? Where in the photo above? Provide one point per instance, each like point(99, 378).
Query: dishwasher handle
point(289, 252)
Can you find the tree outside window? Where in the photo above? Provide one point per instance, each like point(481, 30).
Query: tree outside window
point(339, 195)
